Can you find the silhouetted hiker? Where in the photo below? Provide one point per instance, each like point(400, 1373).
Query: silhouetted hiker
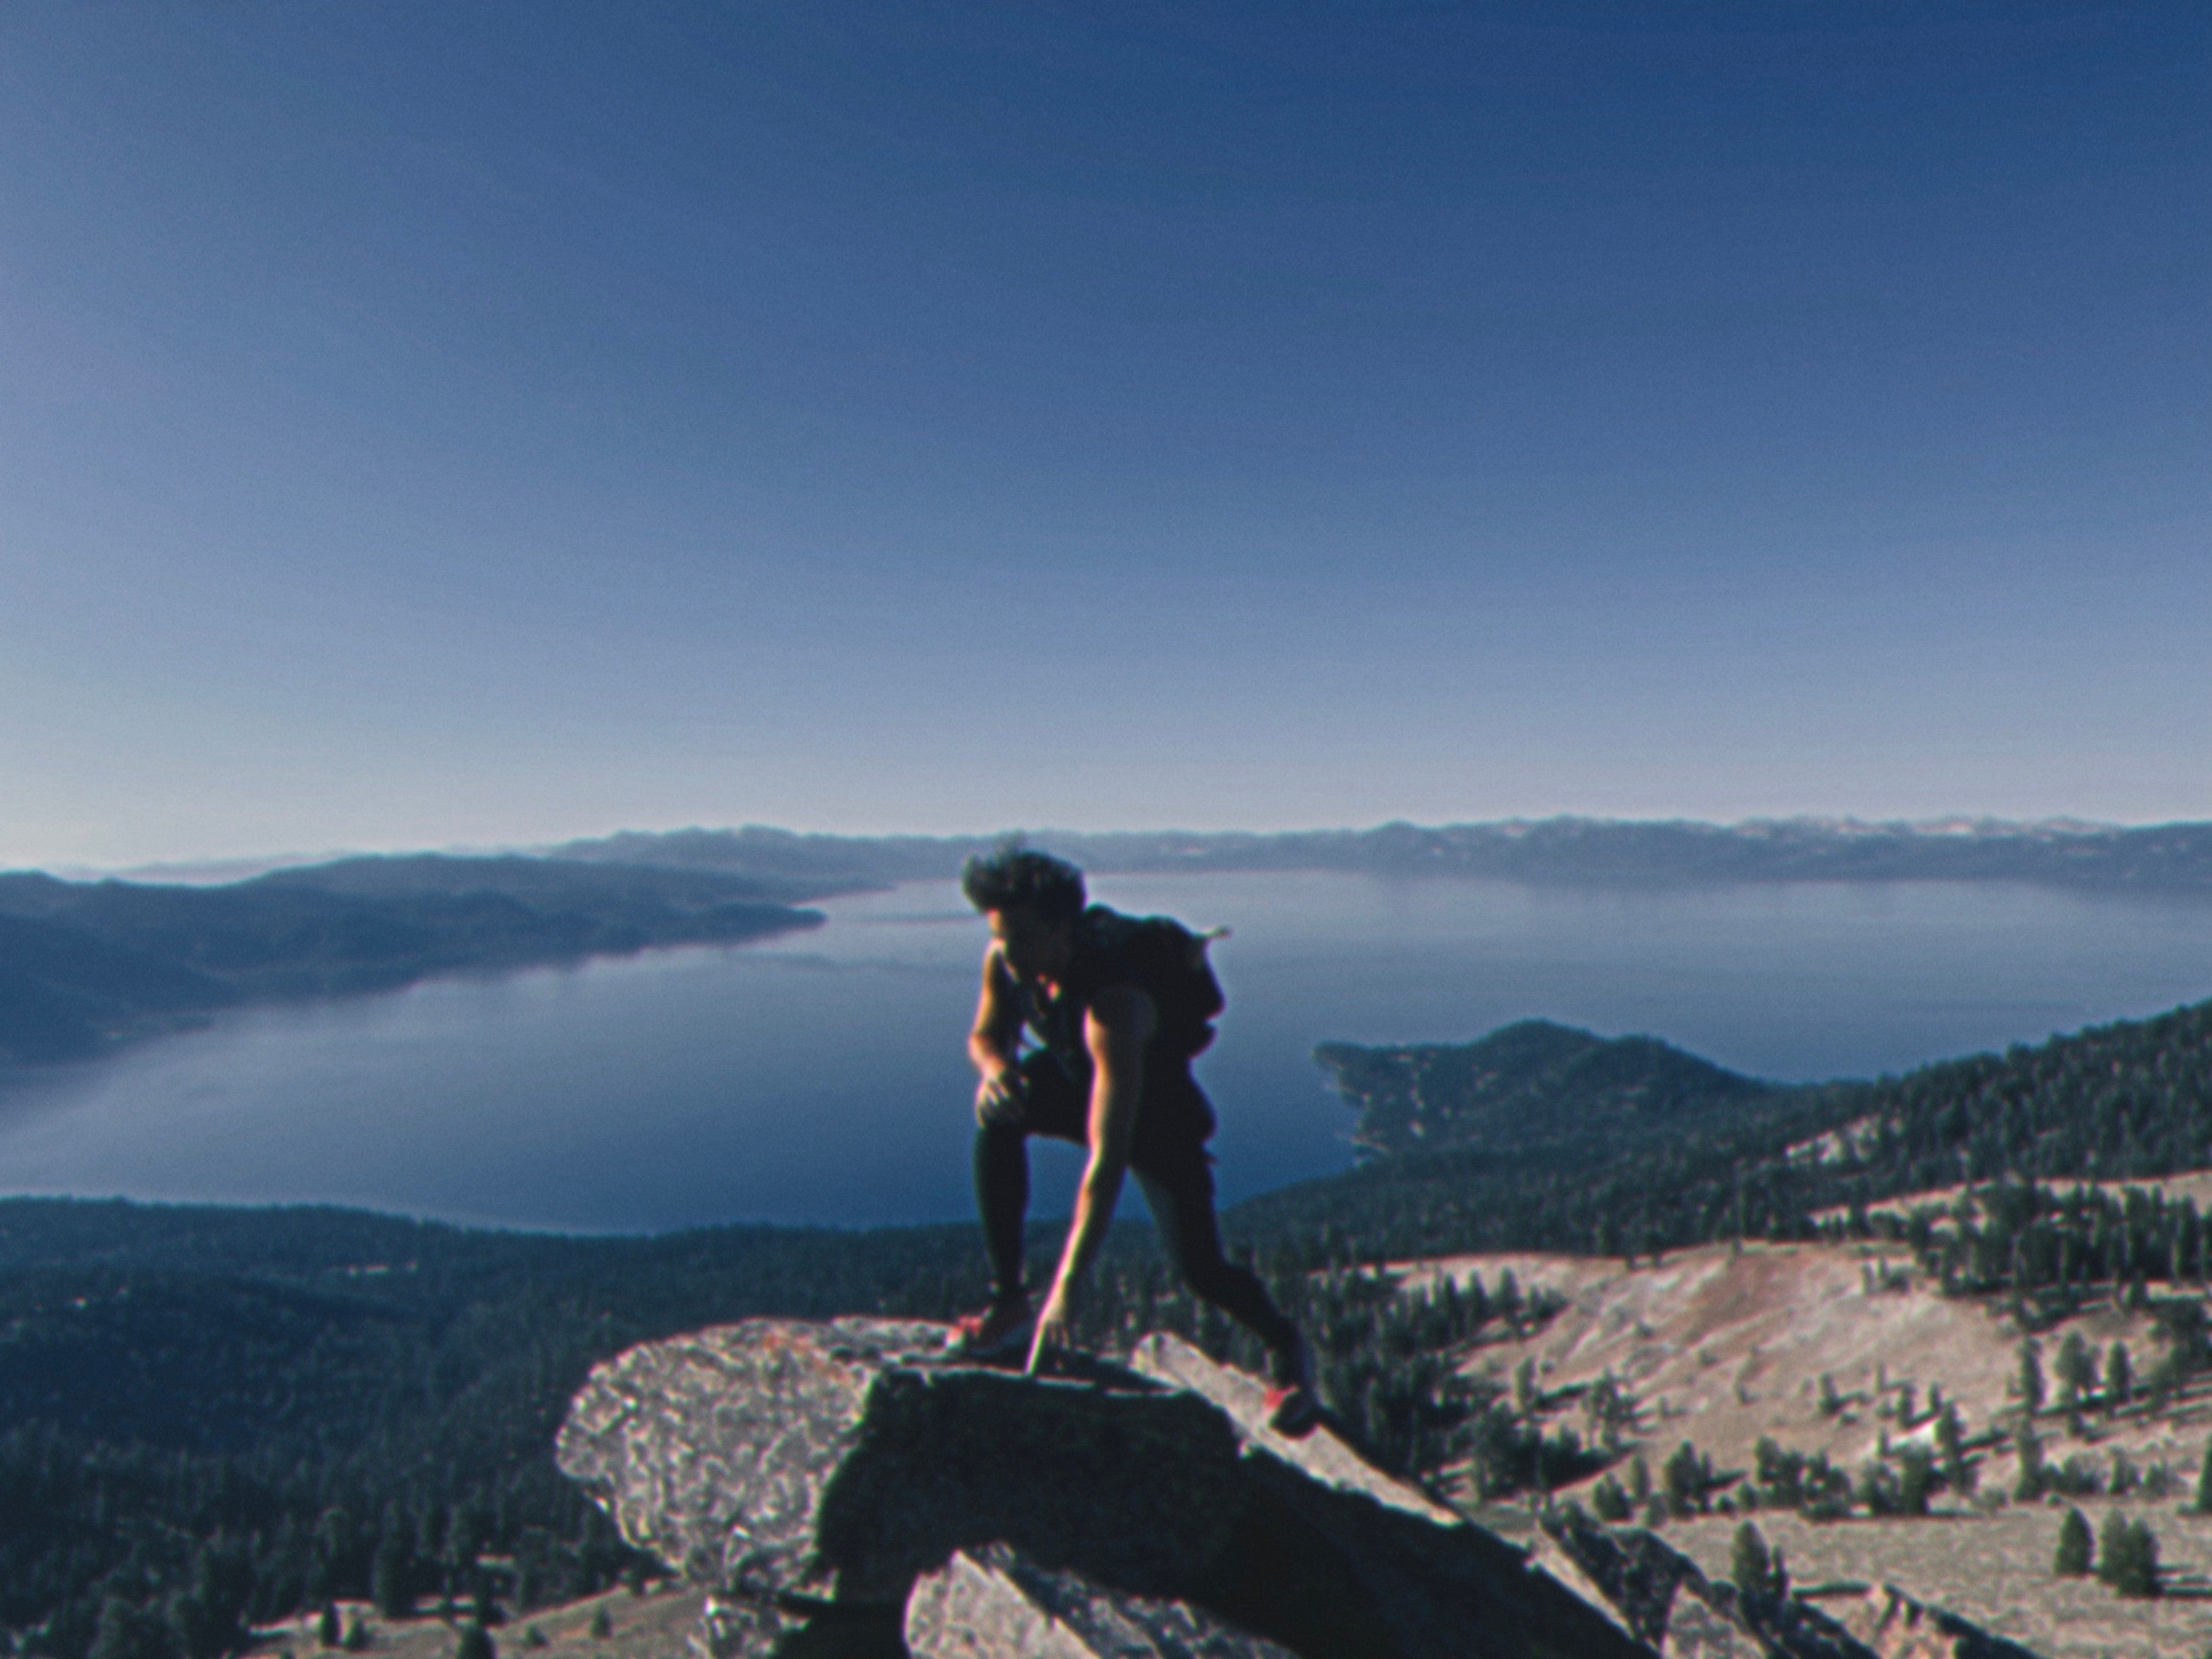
point(1118, 1006)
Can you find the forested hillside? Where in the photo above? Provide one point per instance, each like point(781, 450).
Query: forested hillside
point(84, 963)
point(217, 1416)
point(2131, 1099)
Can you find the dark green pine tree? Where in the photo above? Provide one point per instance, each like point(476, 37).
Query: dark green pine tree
point(1608, 1502)
point(1752, 1568)
point(476, 1643)
point(2127, 1555)
point(2077, 1371)
point(2075, 1547)
point(2204, 1482)
point(1950, 1445)
point(2031, 1376)
point(2029, 1487)
point(391, 1574)
point(127, 1631)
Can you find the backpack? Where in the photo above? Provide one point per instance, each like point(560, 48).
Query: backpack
point(1169, 960)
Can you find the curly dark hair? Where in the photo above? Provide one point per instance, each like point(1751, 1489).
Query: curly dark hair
point(1018, 878)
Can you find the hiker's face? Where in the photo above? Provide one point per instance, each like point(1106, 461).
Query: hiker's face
point(1031, 944)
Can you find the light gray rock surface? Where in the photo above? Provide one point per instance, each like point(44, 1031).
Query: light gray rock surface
point(992, 1604)
point(1320, 1456)
point(1896, 1626)
point(836, 1459)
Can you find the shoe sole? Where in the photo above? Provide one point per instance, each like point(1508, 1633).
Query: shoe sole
point(1296, 1417)
point(1014, 1341)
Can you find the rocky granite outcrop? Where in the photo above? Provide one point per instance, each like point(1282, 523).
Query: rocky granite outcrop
point(1896, 1626)
point(993, 1601)
point(1665, 1602)
point(848, 1490)
point(813, 1473)
point(1366, 1564)
point(836, 1460)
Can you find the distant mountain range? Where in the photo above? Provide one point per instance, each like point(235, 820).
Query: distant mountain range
point(83, 964)
point(2159, 858)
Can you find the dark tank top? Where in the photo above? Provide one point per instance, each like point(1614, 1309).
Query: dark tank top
point(1056, 1018)
point(1174, 1115)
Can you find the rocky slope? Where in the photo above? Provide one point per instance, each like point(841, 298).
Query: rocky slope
point(1720, 1347)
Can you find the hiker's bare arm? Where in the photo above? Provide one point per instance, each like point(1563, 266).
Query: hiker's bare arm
point(1119, 1024)
point(998, 1029)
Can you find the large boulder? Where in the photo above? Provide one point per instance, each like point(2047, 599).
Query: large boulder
point(1338, 1557)
point(836, 1460)
point(814, 1471)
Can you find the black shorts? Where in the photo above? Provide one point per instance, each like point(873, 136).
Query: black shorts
point(1174, 1120)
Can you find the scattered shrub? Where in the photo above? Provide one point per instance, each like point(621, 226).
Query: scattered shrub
point(2127, 1555)
point(1608, 1502)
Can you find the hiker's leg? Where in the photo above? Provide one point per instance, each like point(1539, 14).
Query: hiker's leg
point(1002, 1194)
point(1179, 1188)
point(1047, 1104)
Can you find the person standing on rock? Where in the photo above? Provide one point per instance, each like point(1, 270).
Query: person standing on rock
point(1118, 1007)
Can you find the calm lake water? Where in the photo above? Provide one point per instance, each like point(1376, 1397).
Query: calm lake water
point(821, 1077)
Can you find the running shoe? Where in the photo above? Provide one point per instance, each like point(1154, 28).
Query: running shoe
point(1000, 1329)
point(1294, 1408)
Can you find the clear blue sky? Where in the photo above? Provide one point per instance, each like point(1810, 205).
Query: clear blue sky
point(425, 424)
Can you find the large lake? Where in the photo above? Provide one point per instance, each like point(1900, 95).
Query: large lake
point(821, 1077)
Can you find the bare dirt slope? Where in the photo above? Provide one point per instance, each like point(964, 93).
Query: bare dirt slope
point(1994, 1570)
point(1719, 1347)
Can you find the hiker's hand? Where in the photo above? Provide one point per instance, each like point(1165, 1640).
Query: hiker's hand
point(999, 1100)
point(1051, 1327)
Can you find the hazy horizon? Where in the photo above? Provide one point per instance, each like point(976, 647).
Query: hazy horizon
point(238, 865)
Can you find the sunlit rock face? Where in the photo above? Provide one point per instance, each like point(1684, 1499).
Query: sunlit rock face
point(837, 1460)
point(993, 1601)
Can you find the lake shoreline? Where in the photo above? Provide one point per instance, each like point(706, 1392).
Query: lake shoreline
point(818, 1078)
